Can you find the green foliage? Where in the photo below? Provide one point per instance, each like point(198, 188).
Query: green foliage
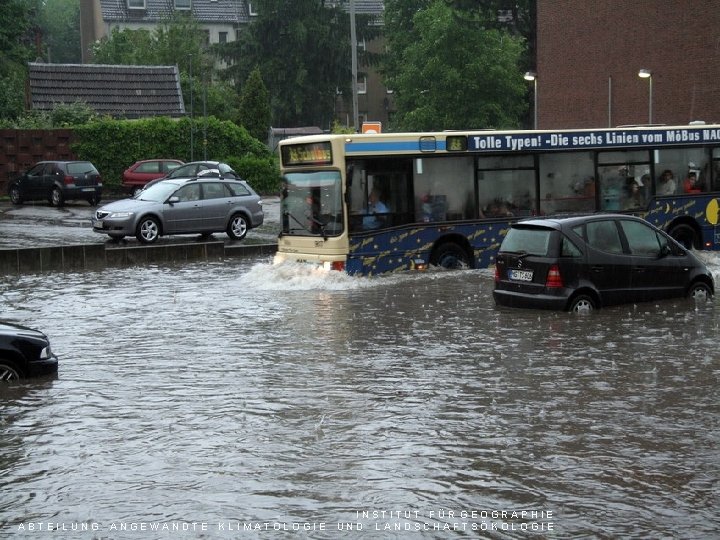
point(114, 145)
point(450, 72)
point(61, 116)
point(337, 127)
point(255, 106)
point(262, 173)
point(60, 22)
point(16, 49)
point(303, 50)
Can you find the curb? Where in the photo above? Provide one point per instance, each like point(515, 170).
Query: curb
point(98, 256)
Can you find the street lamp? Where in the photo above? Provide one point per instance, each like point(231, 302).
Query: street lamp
point(647, 74)
point(532, 76)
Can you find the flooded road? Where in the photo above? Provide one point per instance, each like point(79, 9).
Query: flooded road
point(237, 399)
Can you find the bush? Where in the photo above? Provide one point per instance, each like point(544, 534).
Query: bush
point(262, 173)
point(114, 145)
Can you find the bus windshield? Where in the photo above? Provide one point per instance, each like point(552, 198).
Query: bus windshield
point(312, 204)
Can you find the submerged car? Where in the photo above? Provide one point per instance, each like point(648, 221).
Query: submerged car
point(141, 172)
point(583, 263)
point(24, 352)
point(57, 182)
point(203, 205)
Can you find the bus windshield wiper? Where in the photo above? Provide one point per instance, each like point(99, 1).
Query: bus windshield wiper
point(321, 224)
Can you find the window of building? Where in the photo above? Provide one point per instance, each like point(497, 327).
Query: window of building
point(251, 10)
point(136, 4)
point(222, 37)
point(362, 84)
point(183, 4)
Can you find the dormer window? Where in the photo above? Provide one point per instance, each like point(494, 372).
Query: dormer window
point(251, 10)
point(182, 4)
point(136, 4)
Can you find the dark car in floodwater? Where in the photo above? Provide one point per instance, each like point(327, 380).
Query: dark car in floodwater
point(57, 182)
point(582, 263)
point(24, 352)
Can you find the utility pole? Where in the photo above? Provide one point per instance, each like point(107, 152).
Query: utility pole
point(353, 46)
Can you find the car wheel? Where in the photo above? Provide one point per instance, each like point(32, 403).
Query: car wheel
point(450, 256)
point(15, 195)
point(8, 372)
point(56, 197)
point(582, 303)
point(699, 291)
point(148, 230)
point(238, 227)
point(685, 236)
point(94, 200)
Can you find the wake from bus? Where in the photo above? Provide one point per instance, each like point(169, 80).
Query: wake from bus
point(289, 276)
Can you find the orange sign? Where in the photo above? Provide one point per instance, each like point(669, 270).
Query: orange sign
point(372, 127)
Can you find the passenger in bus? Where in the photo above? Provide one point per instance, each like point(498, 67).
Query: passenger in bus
point(498, 208)
point(635, 198)
point(666, 184)
point(690, 184)
point(376, 213)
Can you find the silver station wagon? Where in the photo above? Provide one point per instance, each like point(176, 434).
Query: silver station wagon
point(202, 205)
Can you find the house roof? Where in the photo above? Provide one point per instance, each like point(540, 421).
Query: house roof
point(204, 11)
point(119, 91)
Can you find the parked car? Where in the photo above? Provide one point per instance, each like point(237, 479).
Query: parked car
point(583, 263)
point(57, 182)
point(24, 352)
point(192, 169)
point(141, 172)
point(203, 205)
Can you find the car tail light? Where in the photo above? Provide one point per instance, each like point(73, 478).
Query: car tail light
point(497, 274)
point(68, 180)
point(554, 279)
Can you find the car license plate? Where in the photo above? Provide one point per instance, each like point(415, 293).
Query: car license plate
point(521, 275)
point(98, 225)
point(88, 189)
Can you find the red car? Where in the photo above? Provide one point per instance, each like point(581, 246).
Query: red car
point(141, 172)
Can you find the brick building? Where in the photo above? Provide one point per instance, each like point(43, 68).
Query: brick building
point(589, 53)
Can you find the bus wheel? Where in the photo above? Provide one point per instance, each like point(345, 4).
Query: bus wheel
point(450, 256)
point(685, 236)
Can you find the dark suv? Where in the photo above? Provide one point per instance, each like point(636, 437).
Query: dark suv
point(24, 352)
point(57, 182)
point(582, 263)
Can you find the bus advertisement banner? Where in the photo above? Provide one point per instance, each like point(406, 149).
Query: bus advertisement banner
point(579, 140)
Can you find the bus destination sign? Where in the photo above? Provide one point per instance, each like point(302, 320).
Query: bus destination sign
point(577, 140)
point(318, 153)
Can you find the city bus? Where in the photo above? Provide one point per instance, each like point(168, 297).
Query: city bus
point(447, 198)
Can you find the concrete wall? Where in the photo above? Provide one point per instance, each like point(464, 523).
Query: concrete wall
point(100, 256)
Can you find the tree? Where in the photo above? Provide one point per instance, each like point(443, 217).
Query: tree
point(254, 113)
point(303, 50)
point(60, 22)
point(450, 72)
point(17, 34)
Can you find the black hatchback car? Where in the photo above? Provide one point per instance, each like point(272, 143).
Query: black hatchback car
point(583, 263)
point(24, 352)
point(57, 182)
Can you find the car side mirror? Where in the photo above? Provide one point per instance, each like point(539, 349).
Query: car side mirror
point(173, 199)
point(665, 250)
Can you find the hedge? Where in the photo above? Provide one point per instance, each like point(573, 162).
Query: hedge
point(113, 145)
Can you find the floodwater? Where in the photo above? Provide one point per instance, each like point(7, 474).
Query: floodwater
point(240, 399)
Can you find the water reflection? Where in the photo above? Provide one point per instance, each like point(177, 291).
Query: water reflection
point(238, 393)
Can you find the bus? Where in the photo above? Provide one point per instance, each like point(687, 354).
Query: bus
point(447, 198)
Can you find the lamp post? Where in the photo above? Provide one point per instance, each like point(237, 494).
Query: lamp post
point(647, 74)
point(532, 76)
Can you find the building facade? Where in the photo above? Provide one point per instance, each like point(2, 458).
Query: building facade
point(589, 55)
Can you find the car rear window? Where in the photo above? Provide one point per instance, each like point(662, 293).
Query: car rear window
point(81, 167)
point(535, 241)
